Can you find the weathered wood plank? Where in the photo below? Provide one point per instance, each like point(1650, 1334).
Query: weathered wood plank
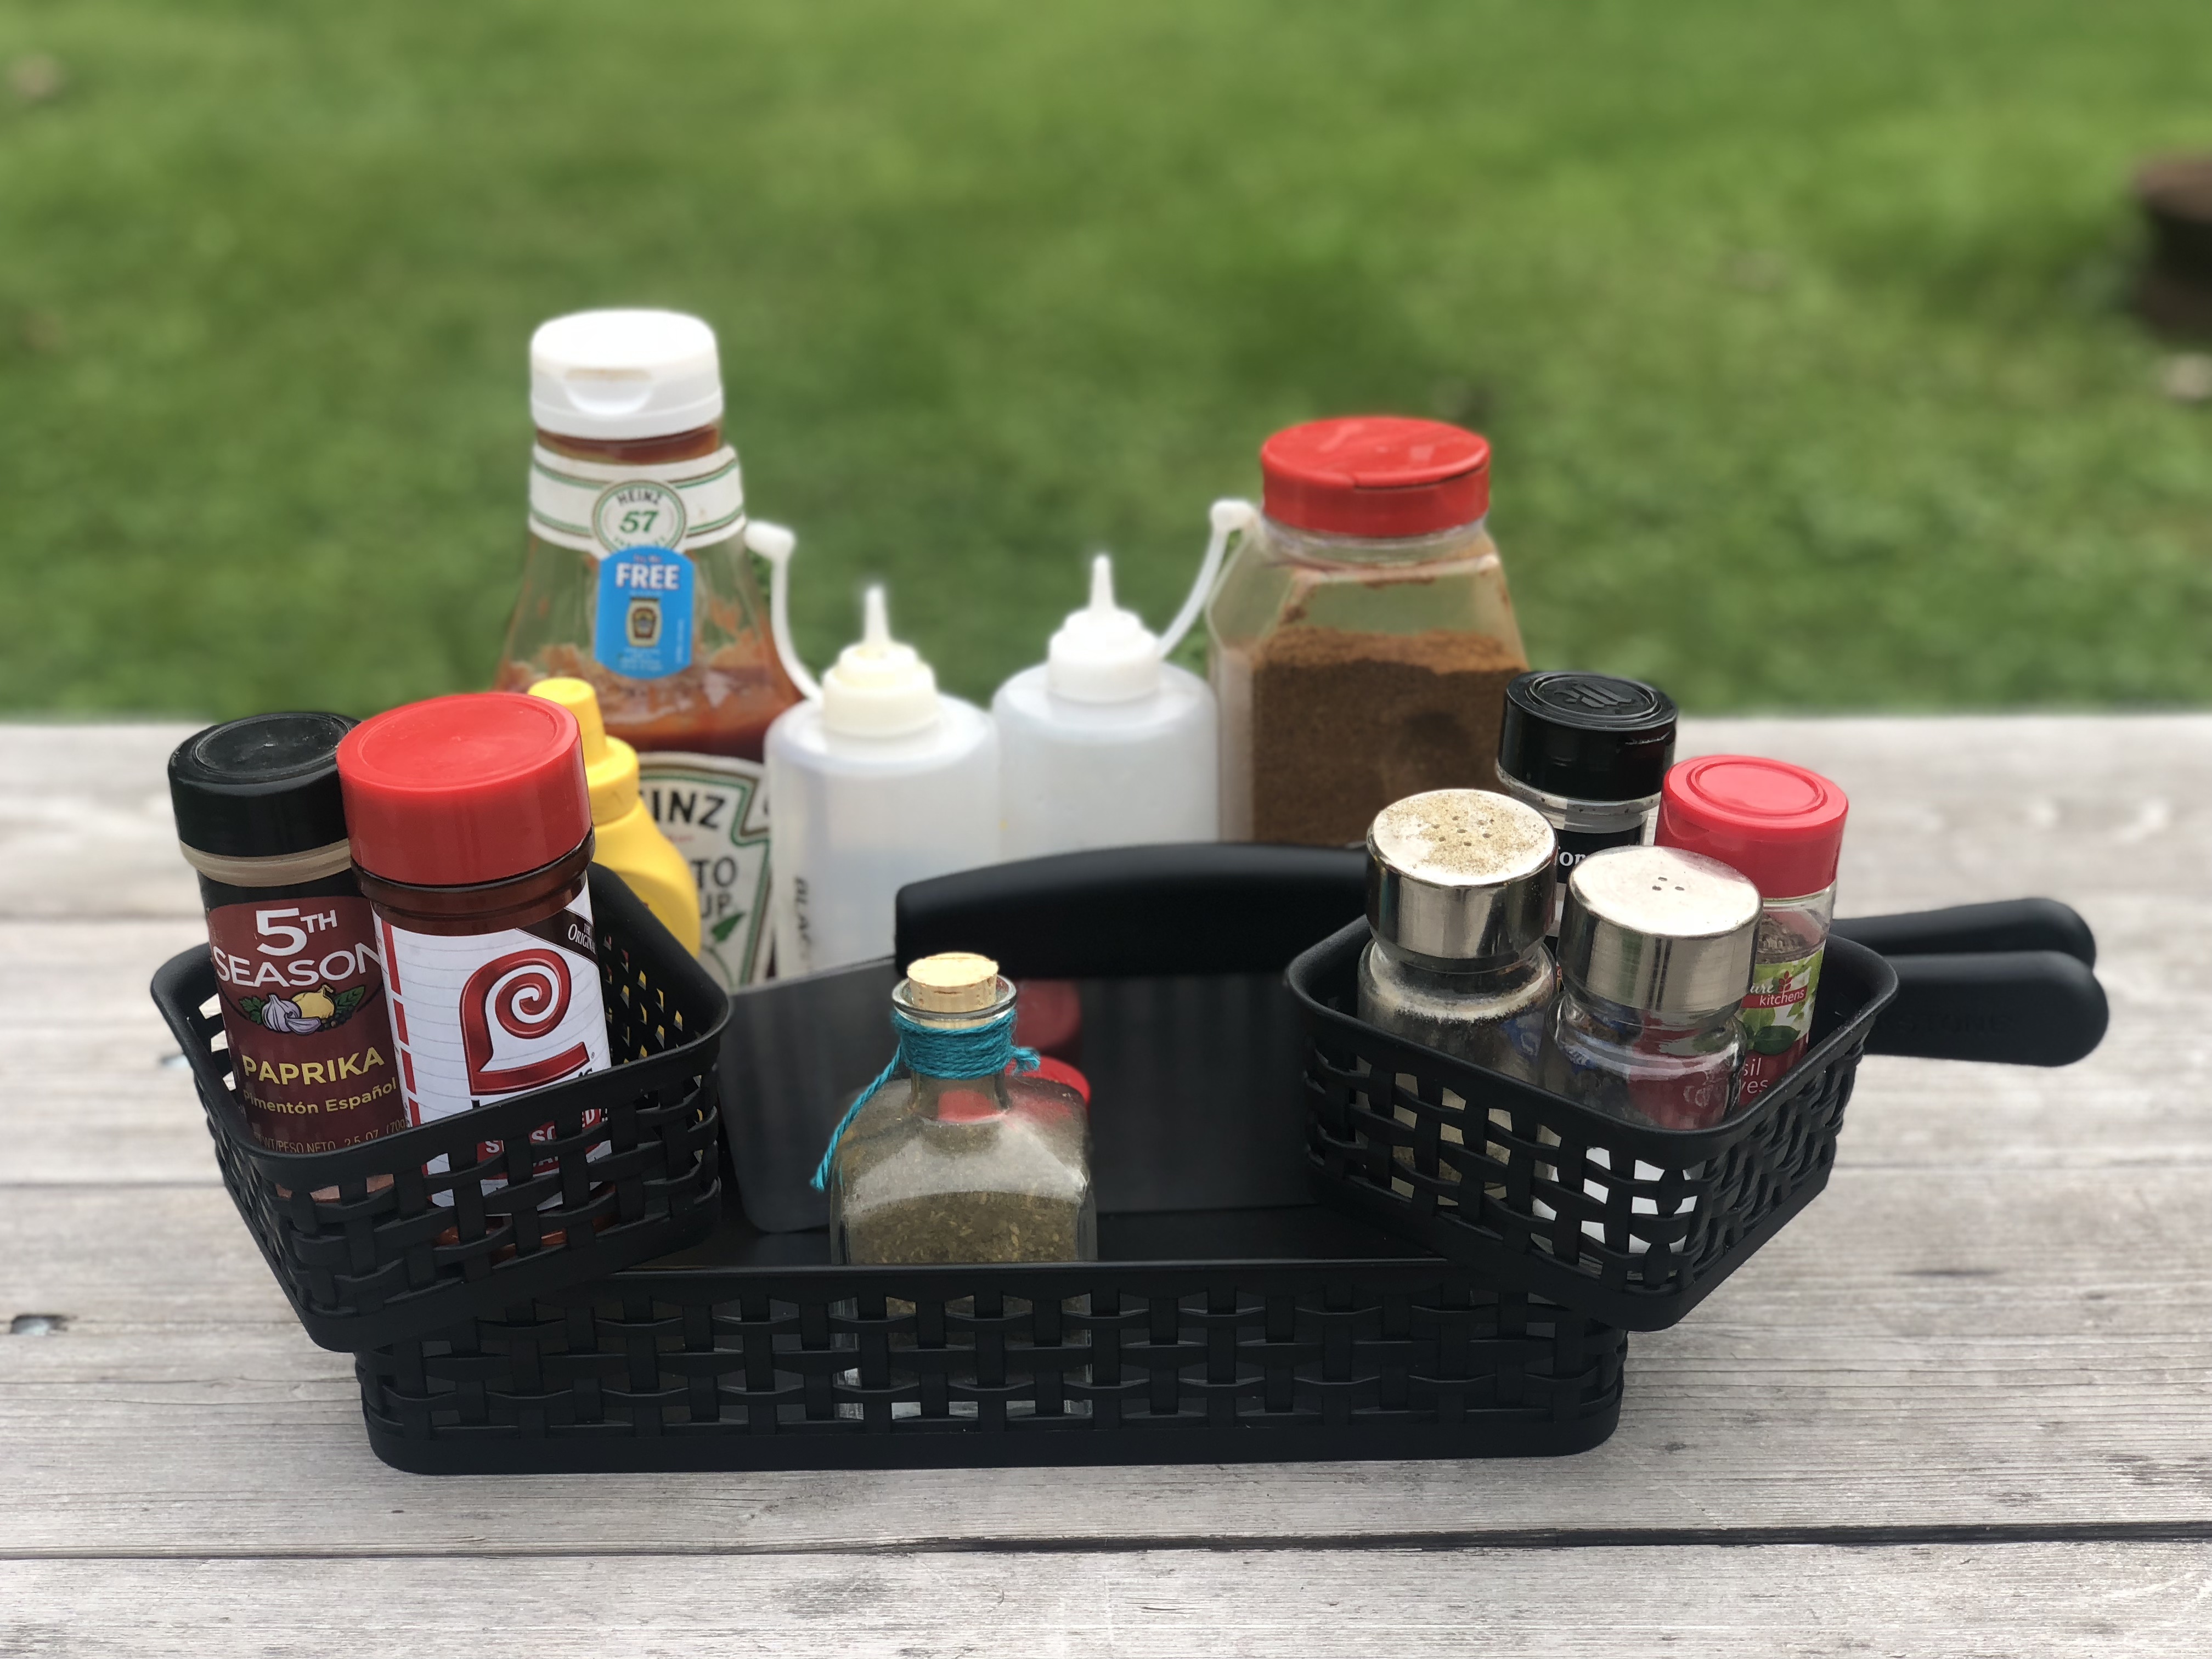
point(85, 828)
point(2027, 1601)
point(2032, 1348)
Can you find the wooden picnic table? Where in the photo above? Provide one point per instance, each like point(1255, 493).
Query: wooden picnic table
point(1962, 1406)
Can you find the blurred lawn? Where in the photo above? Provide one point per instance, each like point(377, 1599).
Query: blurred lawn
point(1797, 330)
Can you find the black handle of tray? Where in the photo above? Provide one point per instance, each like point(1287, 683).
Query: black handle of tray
point(2028, 924)
point(1230, 907)
point(2017, 1008)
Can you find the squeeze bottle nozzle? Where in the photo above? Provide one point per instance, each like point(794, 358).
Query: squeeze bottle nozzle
point(1103, 653)
point(878, 687)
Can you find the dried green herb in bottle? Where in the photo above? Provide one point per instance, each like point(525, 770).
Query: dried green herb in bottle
point(959, 1159)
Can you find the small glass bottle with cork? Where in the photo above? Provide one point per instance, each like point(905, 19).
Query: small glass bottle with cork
point(1655, 955)
point(953, 1154)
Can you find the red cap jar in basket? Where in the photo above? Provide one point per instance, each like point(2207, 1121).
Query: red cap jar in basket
point(471, 828)
point(1782, 826)
point(1362, 637)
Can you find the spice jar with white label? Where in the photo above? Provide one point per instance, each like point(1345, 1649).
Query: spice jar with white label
point(1589, 752)
point(471, 828)
point(1655, 956)
point(261, 819)
point(1459, 886)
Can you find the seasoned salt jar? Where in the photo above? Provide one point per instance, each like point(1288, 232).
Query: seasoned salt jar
point(1361, 636)
point(934, 1166)
point(1655, 957)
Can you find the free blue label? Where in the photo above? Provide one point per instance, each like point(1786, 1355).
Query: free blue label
point(644, 626)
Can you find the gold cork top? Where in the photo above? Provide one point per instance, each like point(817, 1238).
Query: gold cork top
point(955, 983)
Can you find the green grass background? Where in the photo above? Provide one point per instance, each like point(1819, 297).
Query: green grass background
point(1798, 330)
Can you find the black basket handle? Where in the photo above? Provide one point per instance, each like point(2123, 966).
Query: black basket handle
point(2029, 924)
point(2018, 1007)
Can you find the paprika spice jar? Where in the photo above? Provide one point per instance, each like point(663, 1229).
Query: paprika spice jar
point(1362, 635)
point(261, 818)
point(471, 830)
point(639, 582)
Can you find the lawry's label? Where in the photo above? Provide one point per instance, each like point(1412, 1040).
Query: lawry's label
point(477, 1016)
point(1778, 1020)
point(643, 627)
point(715, 809)
point(599, 509)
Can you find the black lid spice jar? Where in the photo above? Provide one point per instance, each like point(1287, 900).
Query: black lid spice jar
point(259, 817)
point(1589, 752)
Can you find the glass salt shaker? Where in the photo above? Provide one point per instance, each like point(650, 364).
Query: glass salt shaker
point(1589, 752)
point(1459, 887)
point(1655, 957)
point(956, 1158)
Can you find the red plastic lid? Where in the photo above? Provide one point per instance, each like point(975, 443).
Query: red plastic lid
point(464, 790)
point(1375, 475)
point(1780, 825)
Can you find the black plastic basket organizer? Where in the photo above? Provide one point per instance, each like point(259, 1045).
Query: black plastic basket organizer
point(1230, 1318)
point(1632, 1224)
point(370, 1246)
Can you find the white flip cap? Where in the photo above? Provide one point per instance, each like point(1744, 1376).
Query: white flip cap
point(625, 374)
point(1103, 654)
point(878, 687)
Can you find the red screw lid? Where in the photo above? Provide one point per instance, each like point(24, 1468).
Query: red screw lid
point(1375, 475)
point(461, 791)
point(1780, 825)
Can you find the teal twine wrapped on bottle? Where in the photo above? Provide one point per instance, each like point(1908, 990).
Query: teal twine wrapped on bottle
point(930, 1050)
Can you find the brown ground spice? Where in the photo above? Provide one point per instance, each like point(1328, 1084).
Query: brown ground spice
point(1345, 723)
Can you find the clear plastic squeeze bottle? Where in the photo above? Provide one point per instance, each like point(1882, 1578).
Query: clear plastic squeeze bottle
point(1103, 743)
point(879, 779)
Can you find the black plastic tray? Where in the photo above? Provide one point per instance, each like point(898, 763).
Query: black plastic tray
point(1212, 1337)
point(1230, 1320)
point(358, 1239)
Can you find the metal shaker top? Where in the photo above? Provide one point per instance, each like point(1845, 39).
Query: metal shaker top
point(1459, 876)
point(1659, 929)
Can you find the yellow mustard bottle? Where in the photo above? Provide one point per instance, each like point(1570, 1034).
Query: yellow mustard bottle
point(629, 842)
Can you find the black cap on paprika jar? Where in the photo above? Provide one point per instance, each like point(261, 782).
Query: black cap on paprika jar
point(1380, 475)
point(263, 786)
point(1779, 824)
point(465, 790)
point(1587, 737)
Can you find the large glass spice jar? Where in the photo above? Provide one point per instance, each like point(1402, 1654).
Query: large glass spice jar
point(1655, 955)
point(951, 1155)
point(638, 582)
point(1362, 635)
